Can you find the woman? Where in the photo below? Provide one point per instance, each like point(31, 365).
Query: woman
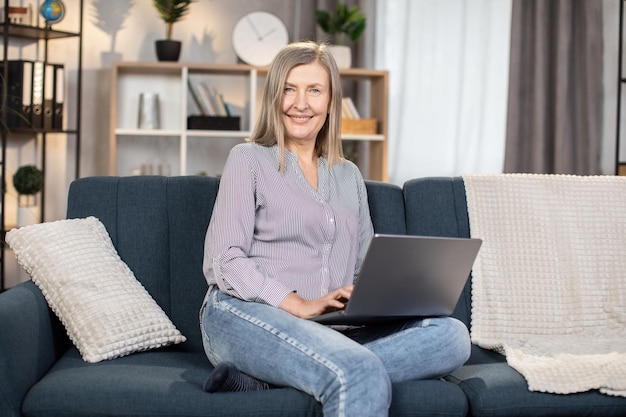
point(287, 237)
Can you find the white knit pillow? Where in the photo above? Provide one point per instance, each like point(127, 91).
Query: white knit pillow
point(107, 313)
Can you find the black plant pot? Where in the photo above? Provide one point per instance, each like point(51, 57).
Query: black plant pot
point(168, 50)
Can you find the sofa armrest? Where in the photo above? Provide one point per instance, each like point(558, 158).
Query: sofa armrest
point(31, 340)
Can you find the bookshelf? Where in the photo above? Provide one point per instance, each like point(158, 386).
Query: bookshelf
point(27, 144)
point(173, 149)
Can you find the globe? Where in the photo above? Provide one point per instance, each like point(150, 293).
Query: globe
point(52, 10)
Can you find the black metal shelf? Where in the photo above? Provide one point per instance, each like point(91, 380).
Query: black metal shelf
point(27, 131)
point(10, 31)
point(621, 79)
point(34, 33)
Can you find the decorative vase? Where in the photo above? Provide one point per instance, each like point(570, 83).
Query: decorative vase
point(27, 210)
point(342, 55)
point(149, 111)
point(52, 10)
point(167, 50)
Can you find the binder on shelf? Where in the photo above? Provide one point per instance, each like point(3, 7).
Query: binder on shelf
point(349, 110)
point(37, 95)
point(59, 97)
point(19, 93)
point(229, 109)
point(197, 98)
point(210, 99)
point(345, 110)
point(219, 98)
point(48, 97)
point(353, 110)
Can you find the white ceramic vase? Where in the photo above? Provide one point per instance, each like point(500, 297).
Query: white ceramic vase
point(342, 55)
point(27, 210)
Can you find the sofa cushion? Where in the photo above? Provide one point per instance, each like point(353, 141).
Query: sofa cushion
point(158, 226)
point(436, 206)
point(158, 383)
point(169, 383)
point(494, 389)
point(386, 207)
point(188, 285)
point(105, 310)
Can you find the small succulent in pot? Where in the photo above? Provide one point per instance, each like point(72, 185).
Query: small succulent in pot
point(342, 24)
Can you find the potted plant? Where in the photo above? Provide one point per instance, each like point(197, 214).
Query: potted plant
point(170, 11)
point(28, 181)
point(343, 25)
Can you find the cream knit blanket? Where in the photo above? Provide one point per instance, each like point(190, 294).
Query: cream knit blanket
point(549, 283)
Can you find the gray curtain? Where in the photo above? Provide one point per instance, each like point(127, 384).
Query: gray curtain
point(554, 121)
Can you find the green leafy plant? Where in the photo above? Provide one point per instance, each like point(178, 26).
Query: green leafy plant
point(344, 22)
point(28, 180)
point(171, 11)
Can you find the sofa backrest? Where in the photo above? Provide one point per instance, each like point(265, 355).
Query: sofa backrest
point(158, 225)
point(386, 207)
point(436, 206)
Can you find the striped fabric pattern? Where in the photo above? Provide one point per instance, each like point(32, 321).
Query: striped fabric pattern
point(272, 233)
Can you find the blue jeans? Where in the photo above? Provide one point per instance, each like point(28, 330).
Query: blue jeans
point(350, 373)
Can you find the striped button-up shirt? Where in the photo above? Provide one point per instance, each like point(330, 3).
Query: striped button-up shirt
point(271, 233)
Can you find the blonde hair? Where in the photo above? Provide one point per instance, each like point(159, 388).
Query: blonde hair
point(269, 129)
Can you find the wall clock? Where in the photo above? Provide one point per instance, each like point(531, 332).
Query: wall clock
point(258, 36)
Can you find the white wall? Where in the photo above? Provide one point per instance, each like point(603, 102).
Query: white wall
point(126, 30)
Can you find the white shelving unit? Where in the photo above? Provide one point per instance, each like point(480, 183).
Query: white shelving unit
point(172, 149)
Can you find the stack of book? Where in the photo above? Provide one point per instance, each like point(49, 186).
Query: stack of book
point(215, 112)
point(352, 122)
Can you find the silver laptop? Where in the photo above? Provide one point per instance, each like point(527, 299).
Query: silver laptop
point(408, 276)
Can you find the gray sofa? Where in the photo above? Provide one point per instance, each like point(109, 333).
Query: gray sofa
point(157, 225)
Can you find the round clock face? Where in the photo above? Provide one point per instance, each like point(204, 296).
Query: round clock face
point(258, 36)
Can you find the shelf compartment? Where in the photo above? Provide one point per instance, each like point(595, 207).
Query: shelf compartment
point(34, 32)
point(168, 88)
point(206, 156)
point(154, 154)
point(233, 84)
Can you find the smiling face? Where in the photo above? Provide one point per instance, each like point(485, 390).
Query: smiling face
point(305, 103)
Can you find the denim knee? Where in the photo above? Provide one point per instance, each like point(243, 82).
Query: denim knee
point(460, 343)
point(365, 386)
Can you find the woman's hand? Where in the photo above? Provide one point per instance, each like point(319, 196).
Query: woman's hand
point(306, 309)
